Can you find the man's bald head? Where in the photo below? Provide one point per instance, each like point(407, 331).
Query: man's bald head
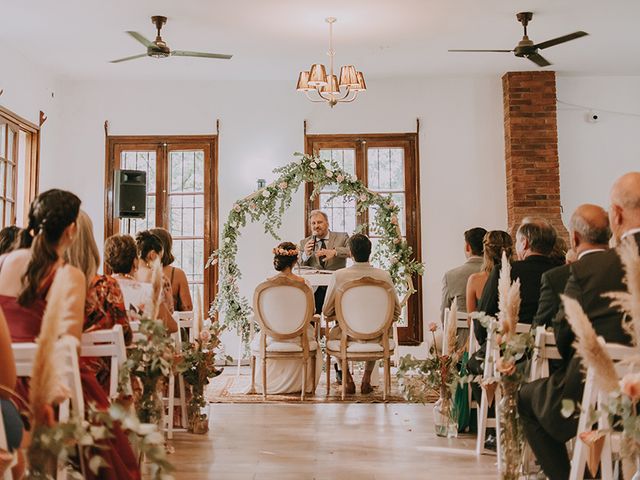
point(624, 212)
point(589, 227)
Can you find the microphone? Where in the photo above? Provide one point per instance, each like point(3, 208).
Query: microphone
point(314, 243)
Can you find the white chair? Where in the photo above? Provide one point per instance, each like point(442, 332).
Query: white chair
point(283, 308)
point(186, 321)
point(364, 310)
point(170, 400)
point(106, 343)
point(24, 355)
point(461, 324)
point(544, 350)
point(489, 372)
point(592, 398)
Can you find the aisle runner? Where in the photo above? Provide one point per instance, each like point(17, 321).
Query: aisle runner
point(229, 388)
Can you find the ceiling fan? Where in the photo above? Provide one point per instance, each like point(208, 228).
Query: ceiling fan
point(526, 48)
point(159, 49)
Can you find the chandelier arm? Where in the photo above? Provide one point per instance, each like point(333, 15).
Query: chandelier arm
point(355, 95)
point(315, 101)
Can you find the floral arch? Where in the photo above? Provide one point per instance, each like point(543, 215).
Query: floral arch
point(268, 204)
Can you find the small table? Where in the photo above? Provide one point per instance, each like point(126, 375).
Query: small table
point(316, 279)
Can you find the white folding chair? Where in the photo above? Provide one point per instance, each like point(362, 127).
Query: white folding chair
point(592, 398)
point(186, 321)
point(170, 400)
point(284, 310)
point(24, 355)
point(364, 310)
point(106, 343)
point(461, 324)
point(491, 356)
point(544, 350)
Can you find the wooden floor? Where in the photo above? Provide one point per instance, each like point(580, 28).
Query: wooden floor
point(333, 441)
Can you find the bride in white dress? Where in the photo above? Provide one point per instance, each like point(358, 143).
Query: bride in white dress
point(285, 375)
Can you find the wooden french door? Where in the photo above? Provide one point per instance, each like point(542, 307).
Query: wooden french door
point(181, 197)
point(386, 164)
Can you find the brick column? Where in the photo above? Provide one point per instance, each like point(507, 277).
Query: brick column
point(531, 148)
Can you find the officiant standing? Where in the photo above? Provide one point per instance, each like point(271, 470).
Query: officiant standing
point(323, 250)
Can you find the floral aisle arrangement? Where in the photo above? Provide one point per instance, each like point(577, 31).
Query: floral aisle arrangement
point(510, 348)
point(268, 206)
point(622, 397)
point(199, 365)
point(439, 372)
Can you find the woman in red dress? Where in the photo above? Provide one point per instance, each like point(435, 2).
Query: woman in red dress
point(25, 277)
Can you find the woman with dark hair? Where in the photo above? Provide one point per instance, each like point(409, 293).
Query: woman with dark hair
point(8, 237)
point(495, 242)
point(285, 375)
point(179, 284)
point(121, 257)
point(150, 249)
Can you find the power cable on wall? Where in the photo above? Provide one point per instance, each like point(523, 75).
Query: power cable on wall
point(595, 109)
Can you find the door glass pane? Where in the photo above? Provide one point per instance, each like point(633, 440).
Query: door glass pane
point(8, 214)
point(3, 169)
point(10, 171)
point(341, 213)
point(398, 199)
point(3, 138)
point(145, 161)
point(385, 168)
point(10, 144)
point(186, 212)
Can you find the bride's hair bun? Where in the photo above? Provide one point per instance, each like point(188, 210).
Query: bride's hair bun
point(285, 255)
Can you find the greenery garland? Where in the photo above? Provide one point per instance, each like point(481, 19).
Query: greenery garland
point(268, 205)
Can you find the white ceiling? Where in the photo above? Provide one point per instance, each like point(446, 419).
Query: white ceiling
point(274, 39)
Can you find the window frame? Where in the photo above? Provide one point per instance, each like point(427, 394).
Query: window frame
point(412, 334)
point(163, 145)
point(31, 165)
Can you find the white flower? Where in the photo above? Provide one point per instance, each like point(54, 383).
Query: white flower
point(227, 239)
point(207, 323)
point(363, 197)
point(283, 185)
point(394, 260)
point(329, 173)
point(237, 207)
point(392, 204)
point(205, 335)
point(313, 165)
point(340, 178)
point(266, 194)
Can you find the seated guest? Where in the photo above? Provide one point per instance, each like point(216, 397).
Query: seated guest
point(494, 243)
point(283, 374)
point(122, 258)
point(454, 281)
point(25, 279)
point(13, 427)
point(590, 233)
point(323, 250)
point(8, 237)
point(540, 402)
point(178, 279)
point(104, 304)
point(150, 249)
point(559, 253)
point(360, 247)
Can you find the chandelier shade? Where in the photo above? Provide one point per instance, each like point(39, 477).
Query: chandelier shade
point(322, 86)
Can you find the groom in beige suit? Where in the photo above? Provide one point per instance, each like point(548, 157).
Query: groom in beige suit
point(324, 250)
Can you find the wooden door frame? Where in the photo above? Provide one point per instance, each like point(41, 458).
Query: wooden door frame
point(210, 188)
point(413, 334)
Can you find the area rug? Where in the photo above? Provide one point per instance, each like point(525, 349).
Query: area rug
point(230, 387)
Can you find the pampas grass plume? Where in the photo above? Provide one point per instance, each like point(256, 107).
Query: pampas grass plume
point(452, 327)
point(587, 346)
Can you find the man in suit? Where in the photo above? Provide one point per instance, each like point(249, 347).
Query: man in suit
point(540, 402)
point(454, 282)
point(360, 247)
point(324, 250)
point(589, 233)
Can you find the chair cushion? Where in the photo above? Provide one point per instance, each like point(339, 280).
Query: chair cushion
point(292, 346)
point(359, 347)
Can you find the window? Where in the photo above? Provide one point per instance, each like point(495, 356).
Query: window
point(387, 164)
point(181, 197)
point(19, 147)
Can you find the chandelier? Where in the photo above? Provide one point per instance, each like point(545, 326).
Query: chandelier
point(326, 87)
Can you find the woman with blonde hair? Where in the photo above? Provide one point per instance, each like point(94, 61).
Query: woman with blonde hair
point(495, 242)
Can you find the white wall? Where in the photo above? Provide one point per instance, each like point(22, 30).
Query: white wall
point(593, 155)
point(461, 148)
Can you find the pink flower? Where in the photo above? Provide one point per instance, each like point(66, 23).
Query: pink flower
point(205, 335)
point(396, 241)
point(433, 326)
point(283, 185)
point(394, 220)
point(630, 386)
point(340, 178)
point(237, 207)
point(363, 197)
point(329, 173)
point(506, 367)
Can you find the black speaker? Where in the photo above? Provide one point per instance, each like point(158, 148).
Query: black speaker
point(130, 193)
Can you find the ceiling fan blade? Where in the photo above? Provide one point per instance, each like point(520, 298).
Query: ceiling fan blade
point(186, 53)
point(144, 41)
point(501, 51)
point(559, 40)
point(128, 58)
point(539, 60)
